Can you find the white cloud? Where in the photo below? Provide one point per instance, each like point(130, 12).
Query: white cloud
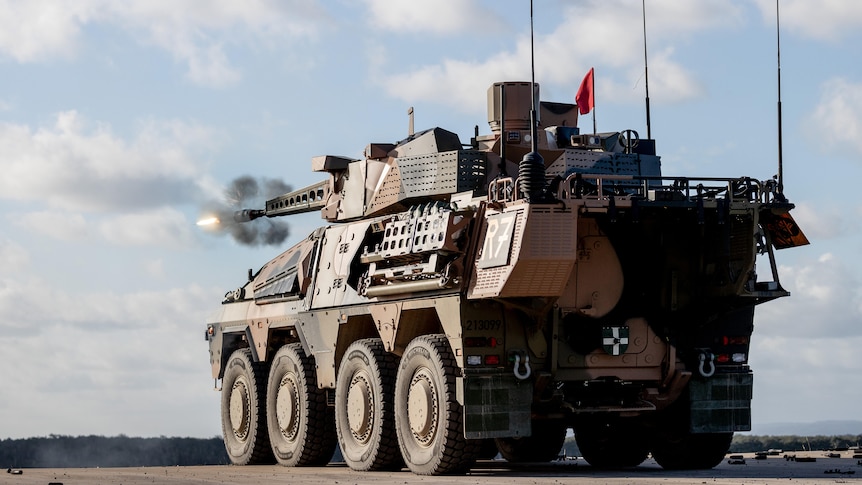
point(671, 82)
point(820, 223)
point(434, 16)
point(13, 256)
point(820, 372)
point(89, 183)
point(825, 301)
point(44, 29)
point(71, 166)
point(807, 345)
point(824, 19)
point(453, 83)
point(806, 356)
point(209, 66)
point(612, 29)
point(22, 304)
point(142, 352)
point(64, 226)
point(162, 227)
point(155, 268)
point(839, 115)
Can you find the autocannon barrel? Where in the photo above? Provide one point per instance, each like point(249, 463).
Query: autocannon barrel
point(247, 215)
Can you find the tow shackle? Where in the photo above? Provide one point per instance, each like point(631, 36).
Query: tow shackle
point(527, 370)
point(706, 368)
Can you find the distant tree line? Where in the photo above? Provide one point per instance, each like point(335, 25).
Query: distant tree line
point(750, 444)
point(57, 451)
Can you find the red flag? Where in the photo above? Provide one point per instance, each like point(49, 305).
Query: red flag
point(584, 98)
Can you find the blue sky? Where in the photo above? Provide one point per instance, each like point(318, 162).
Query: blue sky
point(120, 120)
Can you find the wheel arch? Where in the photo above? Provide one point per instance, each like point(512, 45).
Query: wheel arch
point(393, 324)
point(358, 327)
point(232, 339)
point(414, 322)
point(398, 323)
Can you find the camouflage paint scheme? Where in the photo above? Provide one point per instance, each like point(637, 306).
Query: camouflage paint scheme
point(615, 296)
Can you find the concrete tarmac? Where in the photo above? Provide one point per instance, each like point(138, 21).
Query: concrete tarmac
point(774, 469)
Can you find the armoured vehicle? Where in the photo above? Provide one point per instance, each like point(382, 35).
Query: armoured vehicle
point(466, 299)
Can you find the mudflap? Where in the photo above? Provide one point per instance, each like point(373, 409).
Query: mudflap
point(722, 403)
point(496, 405)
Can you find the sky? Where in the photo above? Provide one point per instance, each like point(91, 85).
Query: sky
point(121, 121)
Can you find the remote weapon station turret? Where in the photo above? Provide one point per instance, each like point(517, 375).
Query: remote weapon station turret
point(469, 299)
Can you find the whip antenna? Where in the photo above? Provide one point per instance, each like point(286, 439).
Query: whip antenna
point(533, 100)
point(778, 48)
point(646, 73)
point(531, 169)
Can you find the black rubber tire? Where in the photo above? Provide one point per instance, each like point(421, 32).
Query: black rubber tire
point(243, 413)
point(367, 372)
point(301, 426)
point(686, 451)
point(543, 445)
point(425, 387)
point(615, 444)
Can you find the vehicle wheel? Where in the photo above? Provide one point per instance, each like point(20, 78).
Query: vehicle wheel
point(301, 426)
point(243, 420)
point(428, 418)
point(616, 444)
point(686, 451)
point(364, 408)
point(543, 445)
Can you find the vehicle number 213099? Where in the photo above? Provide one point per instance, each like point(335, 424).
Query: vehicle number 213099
point(483, 324)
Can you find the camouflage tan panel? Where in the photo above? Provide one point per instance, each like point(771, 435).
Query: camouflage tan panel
point(517, 100)
point(418, 251)
point(340, 244)
point(429, 165)
point(597, 281)
point(526, 250)
point(629, 351)
point(286, 276)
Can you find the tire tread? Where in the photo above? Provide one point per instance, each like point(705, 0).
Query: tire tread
point(320, 442)
point(261, 452)
point(387, 455)
point(458, 454)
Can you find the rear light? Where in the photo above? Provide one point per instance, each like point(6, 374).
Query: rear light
point(737, 358)
point(726, 340)
point(478, 360)
point(481, 342)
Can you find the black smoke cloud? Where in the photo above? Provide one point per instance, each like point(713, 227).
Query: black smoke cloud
point(246, 192)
